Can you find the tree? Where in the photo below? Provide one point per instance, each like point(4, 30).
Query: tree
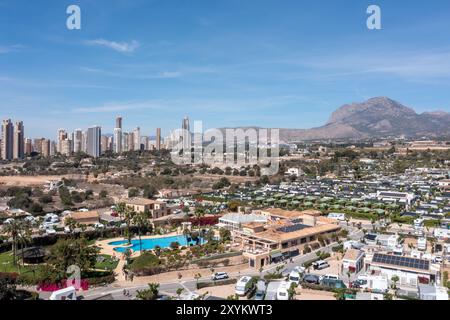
point(149, 191)
point(395, 279)
point(126, 214)
point(7, 289)
point(149, 294)
point(141, 220)
point(24, 235)
point(291, 291)
point(66, 253)
point(103, 194)
point(70, 223)
point(133, 192)
point(198, 213)
point(225, 234)
point(179, 292)
point(13, 229)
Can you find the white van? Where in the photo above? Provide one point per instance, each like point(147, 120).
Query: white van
point(243, 286)
point(319, 265)
point(282, 292)
point(294, 277)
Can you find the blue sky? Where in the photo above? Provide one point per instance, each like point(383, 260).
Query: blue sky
point(271, 63)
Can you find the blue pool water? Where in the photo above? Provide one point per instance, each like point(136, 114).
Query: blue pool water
point(149, 244)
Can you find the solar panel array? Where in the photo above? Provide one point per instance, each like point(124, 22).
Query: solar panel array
point(297, 220)
point(292, 228)
point(401, 261)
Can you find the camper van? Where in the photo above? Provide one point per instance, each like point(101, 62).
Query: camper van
point(422, 244)
point(282, 292)
point(294, 277)
point(68, 293)
point(243, 286)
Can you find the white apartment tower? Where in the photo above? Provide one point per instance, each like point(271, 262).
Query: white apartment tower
point(94, 141)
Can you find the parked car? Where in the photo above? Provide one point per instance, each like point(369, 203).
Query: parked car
point(321, 264)
point(359, 284)
point(220, 276)
point(311, 278)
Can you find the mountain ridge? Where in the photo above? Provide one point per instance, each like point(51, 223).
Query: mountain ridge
point(375, 118)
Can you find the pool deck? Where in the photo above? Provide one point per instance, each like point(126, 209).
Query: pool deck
point(106, 248)
point(166, 277)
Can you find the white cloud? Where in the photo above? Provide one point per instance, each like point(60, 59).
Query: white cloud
point(12, 48)
point(122, 47)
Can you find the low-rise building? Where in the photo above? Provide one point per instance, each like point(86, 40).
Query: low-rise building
point(353, 261)
point(84, 217)
point(410, 271)
point(285, 234)
point(156, 208)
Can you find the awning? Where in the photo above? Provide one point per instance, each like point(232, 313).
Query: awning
point(276, 255)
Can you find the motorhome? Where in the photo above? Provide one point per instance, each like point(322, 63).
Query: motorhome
point(294, 277)
point(422, 244)
point(282, 292)
point(243, 286)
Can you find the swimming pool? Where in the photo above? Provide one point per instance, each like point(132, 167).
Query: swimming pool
point(149, 244)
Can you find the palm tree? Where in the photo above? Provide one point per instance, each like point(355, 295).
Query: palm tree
point(186, 233)
point(24, 235)
point(149, 294)
point(126, 214)
point(13, 229)
point(141, 220)
point(198, 213)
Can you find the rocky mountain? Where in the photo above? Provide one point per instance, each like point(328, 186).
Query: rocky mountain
point(376, 117)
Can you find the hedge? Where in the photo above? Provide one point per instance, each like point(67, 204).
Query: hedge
point(207, 284)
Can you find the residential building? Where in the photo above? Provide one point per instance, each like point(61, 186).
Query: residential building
point(85, 218)
point(353, 261)
point(158, 138)
point(94, 147)
point(19, 141)
point(7, 140)
point(156, 208)
point(78, 140)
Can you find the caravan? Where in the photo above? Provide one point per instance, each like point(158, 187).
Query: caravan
point(282, 292)
point(243, 286)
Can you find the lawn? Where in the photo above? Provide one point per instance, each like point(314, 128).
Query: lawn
point(27, 272)
point(106, 262)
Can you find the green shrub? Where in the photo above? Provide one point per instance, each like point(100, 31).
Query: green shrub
point(206, 284)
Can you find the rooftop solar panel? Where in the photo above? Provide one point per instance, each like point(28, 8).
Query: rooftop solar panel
point(401, 261)
point(292, 228)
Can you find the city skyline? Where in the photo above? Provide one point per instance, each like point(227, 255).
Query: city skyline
point(152, 70)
